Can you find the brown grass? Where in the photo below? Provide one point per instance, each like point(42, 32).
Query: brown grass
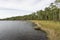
point(51, 27)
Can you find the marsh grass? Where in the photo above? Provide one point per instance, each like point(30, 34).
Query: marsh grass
point(51, 27)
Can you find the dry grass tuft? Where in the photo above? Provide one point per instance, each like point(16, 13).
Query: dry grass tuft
point(51, 27)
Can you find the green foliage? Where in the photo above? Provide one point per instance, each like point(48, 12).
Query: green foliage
point(50, 13)
point(57, 0)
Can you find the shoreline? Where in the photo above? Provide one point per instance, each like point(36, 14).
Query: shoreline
point(51, 33)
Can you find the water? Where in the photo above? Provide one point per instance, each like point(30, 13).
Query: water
point(19, 30)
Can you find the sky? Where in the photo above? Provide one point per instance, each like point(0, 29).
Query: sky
point(9, 8)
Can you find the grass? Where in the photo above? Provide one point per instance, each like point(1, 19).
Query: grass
point(51, 27)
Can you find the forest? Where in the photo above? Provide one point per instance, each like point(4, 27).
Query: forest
point(49, 13)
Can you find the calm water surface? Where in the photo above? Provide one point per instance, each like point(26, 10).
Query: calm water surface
point(19, 30)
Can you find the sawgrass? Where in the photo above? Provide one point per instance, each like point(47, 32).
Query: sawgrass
point(51, 27)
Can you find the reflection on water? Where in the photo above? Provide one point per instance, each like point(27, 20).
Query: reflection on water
point(19, 30)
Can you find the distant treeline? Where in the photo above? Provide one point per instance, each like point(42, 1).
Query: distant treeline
point(57, 0)
point(50, 13)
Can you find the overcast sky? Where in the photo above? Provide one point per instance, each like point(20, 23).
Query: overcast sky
point(10, 8)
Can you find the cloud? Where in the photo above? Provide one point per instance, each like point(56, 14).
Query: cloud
point(12, 12)
point(21, 7)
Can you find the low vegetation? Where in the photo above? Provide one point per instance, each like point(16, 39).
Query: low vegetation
point(48, 20)
point(51, 27)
